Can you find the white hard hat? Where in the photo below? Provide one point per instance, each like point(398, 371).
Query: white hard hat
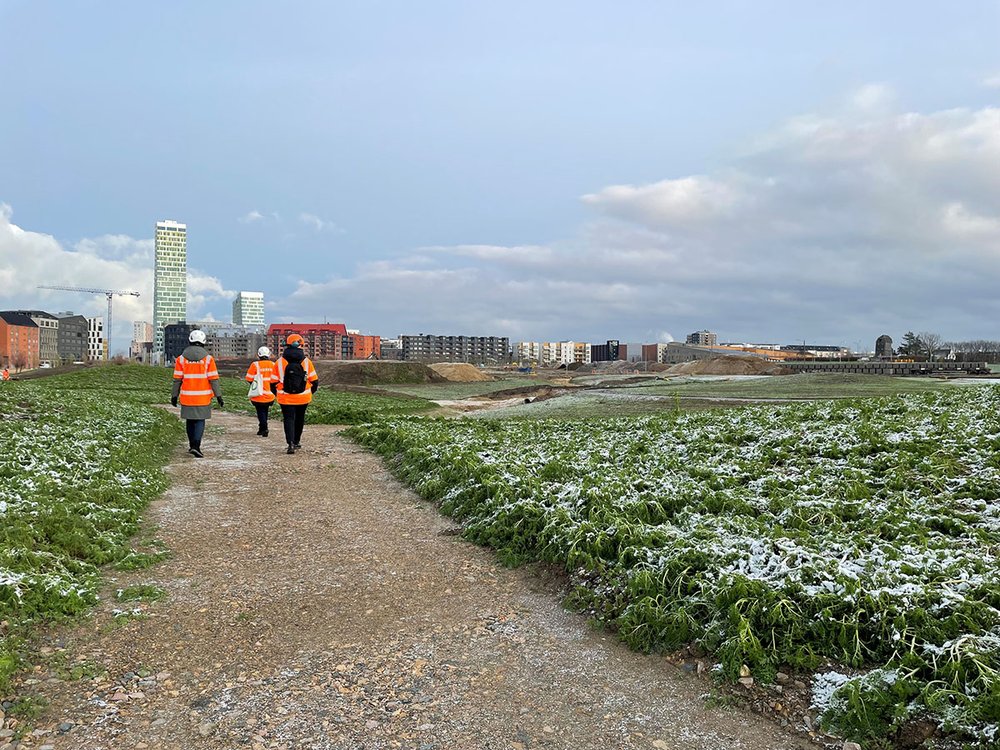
point(197, 336)
point(263, 352)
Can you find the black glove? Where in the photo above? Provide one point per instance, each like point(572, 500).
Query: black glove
point(173, 400)
point(314, 386)
point(222, 404)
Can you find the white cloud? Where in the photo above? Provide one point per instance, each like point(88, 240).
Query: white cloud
point(111, 261)
point(318, 224)
point(251, 217)
point(832, 227)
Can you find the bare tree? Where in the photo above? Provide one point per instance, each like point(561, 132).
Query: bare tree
point(19, 362)
point(931, 342)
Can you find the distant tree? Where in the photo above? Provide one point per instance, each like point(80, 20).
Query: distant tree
point(911, 345)
point(930, 342)
point(19, 362)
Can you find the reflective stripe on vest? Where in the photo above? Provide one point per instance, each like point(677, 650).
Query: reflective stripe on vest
point(195, 377)
point(266, 369)
point(294, 399)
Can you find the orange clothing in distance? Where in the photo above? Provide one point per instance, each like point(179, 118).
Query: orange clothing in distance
point(266, 369)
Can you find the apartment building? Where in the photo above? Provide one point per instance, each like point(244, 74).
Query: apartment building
point(610, 351)
point(248, 309)
point(479, 350)
point(702, 338)
point(18, 341)
point(48, 335)
point(140, 348)
point(73, 337)
point(528, 352)
point(97, 345)
point(654, 352)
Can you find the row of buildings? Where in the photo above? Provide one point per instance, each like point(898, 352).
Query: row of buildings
point(35, 338)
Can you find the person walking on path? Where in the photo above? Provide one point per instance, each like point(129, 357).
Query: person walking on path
point(6, 374)
point(196, 380)
point(296, 381)
point(261, 387)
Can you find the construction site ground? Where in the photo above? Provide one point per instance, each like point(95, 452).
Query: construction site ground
point(313, 602)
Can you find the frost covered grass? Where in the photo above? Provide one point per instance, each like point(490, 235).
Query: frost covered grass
point(801, 386)
point(79, 464)
point(151, 385)
point(862, 533)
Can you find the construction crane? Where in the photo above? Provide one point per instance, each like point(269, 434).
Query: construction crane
point(109, 293)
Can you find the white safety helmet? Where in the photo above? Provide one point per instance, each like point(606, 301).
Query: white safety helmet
point(263, 352)
point(197, 336)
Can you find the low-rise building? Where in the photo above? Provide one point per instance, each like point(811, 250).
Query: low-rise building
point(142, 333)
point(610, 351)
point(48, 335)
point(18, 341)
point(528, 352)
point(320, 340)
point(702, 338)
point(73, 337)
point(97, 346)
point(478, 350)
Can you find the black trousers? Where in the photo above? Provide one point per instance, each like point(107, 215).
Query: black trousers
point(262, 412)
point(294, 417)
point(195, 431)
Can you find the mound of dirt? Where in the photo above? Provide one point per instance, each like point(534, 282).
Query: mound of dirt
point(375, 373)
point(729, 366)
point(460, 372)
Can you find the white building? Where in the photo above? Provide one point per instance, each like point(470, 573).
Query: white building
point(248, 309)
point(97, 348)
point(142, 341)
point(528, 352)
point(169, 280)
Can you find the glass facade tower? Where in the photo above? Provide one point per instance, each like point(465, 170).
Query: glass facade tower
point(169, 281)
point(248, 309)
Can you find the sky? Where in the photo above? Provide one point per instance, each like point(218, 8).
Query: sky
point(776, 172)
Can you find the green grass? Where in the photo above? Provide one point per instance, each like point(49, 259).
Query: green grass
point(795, 387)
point(79, 465)
point(793, 537)
point(144, 592)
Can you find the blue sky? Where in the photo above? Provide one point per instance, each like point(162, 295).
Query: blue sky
point(417, 167)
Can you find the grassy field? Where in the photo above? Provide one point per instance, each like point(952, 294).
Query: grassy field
point(808, 386)
point(151, 385)
point(77, 469)
point(82, 457)
point(862, 533)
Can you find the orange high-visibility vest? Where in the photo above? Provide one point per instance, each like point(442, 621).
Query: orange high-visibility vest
point(266, 369)
point(194, 377)
point(294, 399)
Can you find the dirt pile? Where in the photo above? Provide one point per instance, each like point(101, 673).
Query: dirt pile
point(729, 366)
point(460, 372)
point(375, 373)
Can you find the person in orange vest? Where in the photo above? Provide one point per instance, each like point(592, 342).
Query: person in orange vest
point(296, 381)
point(196, 380)
point(261, 387)
point(6, 374)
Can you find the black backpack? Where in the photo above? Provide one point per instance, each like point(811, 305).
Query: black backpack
point(295, 378)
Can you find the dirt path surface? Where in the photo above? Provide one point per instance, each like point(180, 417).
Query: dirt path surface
point(313, 602)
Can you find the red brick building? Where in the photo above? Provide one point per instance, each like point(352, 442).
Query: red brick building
point(324, 340)
point(18, 341)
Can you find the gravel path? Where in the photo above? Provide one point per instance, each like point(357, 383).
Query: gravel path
point(313, 602)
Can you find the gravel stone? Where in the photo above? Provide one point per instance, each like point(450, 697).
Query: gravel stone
point(314, 603)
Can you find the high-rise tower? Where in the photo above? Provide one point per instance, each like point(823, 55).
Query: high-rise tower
point(169, 281)
point(248, 309)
